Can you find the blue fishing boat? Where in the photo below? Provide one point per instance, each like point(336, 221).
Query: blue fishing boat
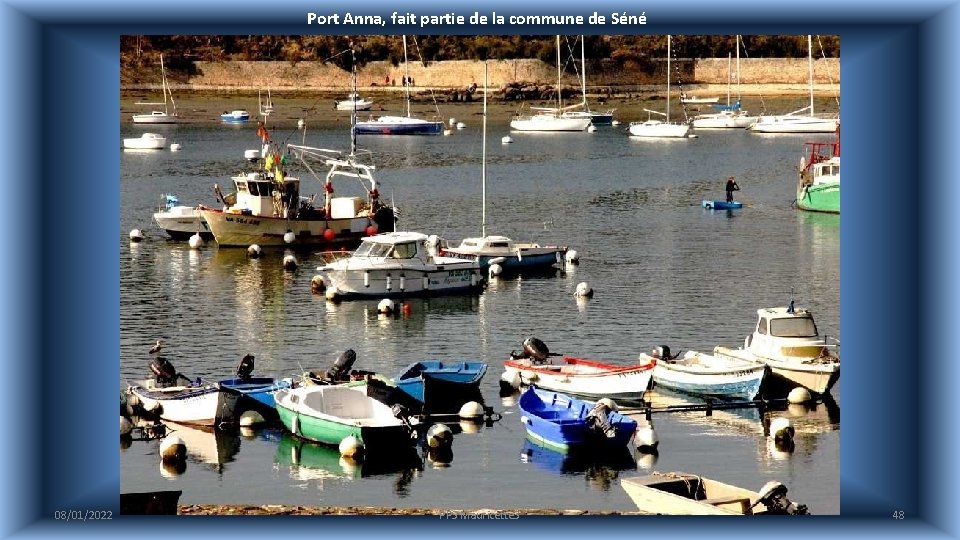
point(258, 389)
point(562, 422)
point(235, 117)
point(722, 205)
point(442, 386)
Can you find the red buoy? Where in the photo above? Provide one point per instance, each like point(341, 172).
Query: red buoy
point(329, 235)
point(371, 230)
point(406, 309)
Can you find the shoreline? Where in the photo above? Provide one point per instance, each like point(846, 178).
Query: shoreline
point(451, 514)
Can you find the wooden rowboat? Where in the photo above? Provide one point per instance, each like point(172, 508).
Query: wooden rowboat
point(678, 493)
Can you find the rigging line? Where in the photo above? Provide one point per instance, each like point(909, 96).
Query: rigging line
point(432, 95)
point(683, 106)
point(823, 54)
point(763, 106)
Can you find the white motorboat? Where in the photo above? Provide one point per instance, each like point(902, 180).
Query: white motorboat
point(398, 264)
point(147, 141)
point(205, 403)
point(707, 375)
point(164, 116)
point(354, 102)
point(787, 341)
point(179, 221)
point(657, 129)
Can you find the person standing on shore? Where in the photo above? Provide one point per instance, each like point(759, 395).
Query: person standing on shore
point(731, 187)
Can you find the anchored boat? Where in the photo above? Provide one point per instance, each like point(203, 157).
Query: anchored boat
point(562, 422)
point(679, 493)
point(786, 340)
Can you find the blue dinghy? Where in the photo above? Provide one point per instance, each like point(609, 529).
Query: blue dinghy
point(722, 205)
point(443, 387)
point(562, 422)
point(259, 389)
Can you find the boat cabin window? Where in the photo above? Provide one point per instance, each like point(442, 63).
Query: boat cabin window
point(406, 250)
point(499, 244)
point(762, 327)
point(372, 249)
point(793, 327)
point(261, 189)
point(242, 187)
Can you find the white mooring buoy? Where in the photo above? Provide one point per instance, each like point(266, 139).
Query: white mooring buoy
point(448, 132)
point(254, 251)
point(175, 147)
point(470, 410)
point(136, 235)
point(289, 237)
point(316, 284)
point(386, 306)
point(592, 128)
point(494, 270)
point(289, 262)
point(439, 436)
point(332, 294)
point(126, 426)
point(461, 125)
point(511, 379)
point(251, 418)
point(453, 122)
point(351, 447)
point(172, 448)
point(781, 429)
point(300, 123)
point(799, 395)
point(196, 241)
point(583, 290)
point(646, 439)
point(572, 256)
point(506, 139)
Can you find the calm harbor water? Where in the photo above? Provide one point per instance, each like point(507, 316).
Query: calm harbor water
point(665, 271)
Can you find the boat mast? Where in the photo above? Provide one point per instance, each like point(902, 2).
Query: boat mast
point(583, 66)
point(738, 69)
point(559, 98)
point(668, 78)
point(163, 76)
point(729, 72)
point(810, 60)
point(406, 72)
point(483, 161)
point(353, 111)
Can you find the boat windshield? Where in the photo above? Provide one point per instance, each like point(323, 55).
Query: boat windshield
point(373, 249)
point(793, 327)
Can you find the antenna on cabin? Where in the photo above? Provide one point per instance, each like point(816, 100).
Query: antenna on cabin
point(353, 110)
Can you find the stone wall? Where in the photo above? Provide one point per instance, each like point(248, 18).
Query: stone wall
point(462, 73)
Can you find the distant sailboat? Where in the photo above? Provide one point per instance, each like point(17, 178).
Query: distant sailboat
point(730, 115)
point(487, 250)
point(795, 122)
point(400, 125)
point(551, 119)
point(164, 116)
point(660, 129)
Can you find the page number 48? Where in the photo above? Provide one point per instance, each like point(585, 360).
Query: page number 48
point(898, 514)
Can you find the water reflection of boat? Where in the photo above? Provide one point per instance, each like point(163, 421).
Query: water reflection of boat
point(746, 419)
point(208, 446)
point(316, 461)
point(600, 469)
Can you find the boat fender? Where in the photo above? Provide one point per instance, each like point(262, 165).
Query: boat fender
point(295, 425)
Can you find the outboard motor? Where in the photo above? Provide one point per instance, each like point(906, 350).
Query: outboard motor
point(164, 372)
point(245, 369)
point(536, 349)
point(599, 423)
point(341, 368)
point(773, 495)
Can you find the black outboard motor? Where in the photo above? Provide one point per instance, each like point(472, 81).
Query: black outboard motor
point(536, 349)
point(245, 368)
point(341, 368)
point(773, 495)
point(599, 423)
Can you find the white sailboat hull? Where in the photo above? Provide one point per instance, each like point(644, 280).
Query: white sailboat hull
point(794, 124)
point(544, 122)
point(723, 121)
point(658, 129)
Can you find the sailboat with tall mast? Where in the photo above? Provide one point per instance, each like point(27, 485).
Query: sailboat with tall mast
point(597, 118)
point(658, 129)
point(487, 250)
point(795, 122)
point(729, 115)
point(164, 116)
point(400, 125)
point(551, 119)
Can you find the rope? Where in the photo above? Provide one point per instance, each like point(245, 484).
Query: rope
point(432, 95)
point(763, 106)
point(823, 54)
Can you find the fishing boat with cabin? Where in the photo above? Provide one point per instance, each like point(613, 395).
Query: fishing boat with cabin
point(787, 341)
point(818, 187)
